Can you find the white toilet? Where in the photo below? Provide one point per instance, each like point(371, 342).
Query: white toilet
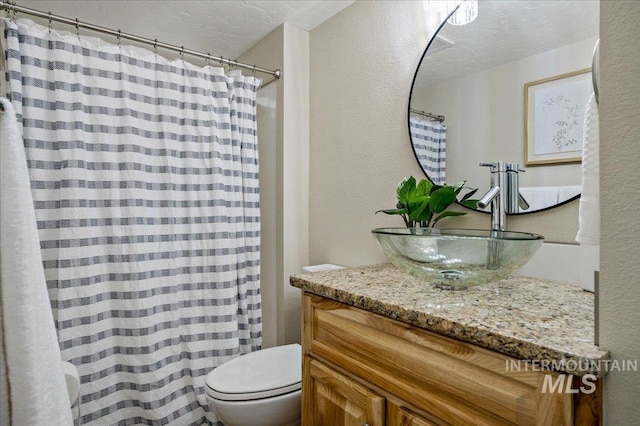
point(262, 388)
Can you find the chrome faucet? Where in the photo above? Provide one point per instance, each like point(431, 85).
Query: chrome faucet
point(504, 195)
point(515, 200)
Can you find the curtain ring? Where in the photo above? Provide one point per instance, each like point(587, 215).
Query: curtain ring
point(182, 52)
point(49, 22)
point(155, 46)
point(208, 60)
point(77, 28)
point(14, 12)
point(119, 37)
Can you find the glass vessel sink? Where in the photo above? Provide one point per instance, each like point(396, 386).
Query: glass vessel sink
point(456, 259)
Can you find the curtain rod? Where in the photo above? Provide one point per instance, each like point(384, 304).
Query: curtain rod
point(434, 117)
point(14, 8)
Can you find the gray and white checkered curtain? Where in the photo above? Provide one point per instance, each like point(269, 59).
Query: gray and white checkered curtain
point(430, 146)
point(144, 174)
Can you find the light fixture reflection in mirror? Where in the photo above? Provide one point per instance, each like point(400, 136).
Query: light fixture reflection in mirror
point(466, 13)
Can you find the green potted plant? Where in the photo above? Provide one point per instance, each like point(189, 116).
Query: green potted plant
point(423, 204)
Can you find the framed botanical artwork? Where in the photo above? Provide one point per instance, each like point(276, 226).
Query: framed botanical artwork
point(554, 111)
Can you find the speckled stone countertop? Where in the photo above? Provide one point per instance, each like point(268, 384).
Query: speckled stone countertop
point(547, 322)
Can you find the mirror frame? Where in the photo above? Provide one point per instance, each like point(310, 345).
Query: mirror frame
point(415, 154)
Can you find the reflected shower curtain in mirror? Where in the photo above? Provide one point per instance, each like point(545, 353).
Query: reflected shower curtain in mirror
point(429, 144)
point(144, 174)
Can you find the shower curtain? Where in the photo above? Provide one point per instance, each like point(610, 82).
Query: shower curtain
point(429, 144)
point(144, 175)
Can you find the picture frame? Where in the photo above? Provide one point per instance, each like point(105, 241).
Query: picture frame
point(554, 110)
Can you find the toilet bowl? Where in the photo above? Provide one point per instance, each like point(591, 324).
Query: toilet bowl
point(262, 388)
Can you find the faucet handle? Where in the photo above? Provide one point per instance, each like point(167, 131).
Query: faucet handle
point(498, 166)
point(493, 165)
point(522, 202)
point(514, 167)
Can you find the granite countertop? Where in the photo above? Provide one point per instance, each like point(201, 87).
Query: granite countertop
point(546, 322)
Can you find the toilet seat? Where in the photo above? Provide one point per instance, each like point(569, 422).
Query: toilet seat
point(262, 374)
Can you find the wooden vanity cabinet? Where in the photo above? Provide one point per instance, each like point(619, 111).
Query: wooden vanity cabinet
point(360, 368)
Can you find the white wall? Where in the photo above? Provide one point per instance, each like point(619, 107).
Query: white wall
point(489, 126)
point(362, 65)
point(284, 182)
point(295, 175)
point(620, 203)
point(267, 149)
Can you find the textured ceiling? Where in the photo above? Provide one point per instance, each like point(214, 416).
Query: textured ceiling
point(222, 28)
point(508, 30)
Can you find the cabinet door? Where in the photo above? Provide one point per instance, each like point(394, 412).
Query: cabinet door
point(400, 416)
point(331, 399)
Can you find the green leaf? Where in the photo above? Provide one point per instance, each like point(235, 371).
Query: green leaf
point(416, 202)
point(424, 187)
point(392, 211)
point(469, 195)
point(405, 188)
point(447, 214)
point(458, 187)
point(441, 199)
point(435, 187)
point(472, 204)
point(418, 211)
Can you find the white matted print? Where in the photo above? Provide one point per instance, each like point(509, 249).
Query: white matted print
point(554, 114)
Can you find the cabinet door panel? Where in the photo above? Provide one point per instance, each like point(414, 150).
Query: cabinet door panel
point(400, 416)
point(332, 399)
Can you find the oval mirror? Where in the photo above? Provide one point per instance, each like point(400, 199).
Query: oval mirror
point(510, 86)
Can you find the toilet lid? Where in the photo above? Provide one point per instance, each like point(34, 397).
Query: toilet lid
point(261, 374)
